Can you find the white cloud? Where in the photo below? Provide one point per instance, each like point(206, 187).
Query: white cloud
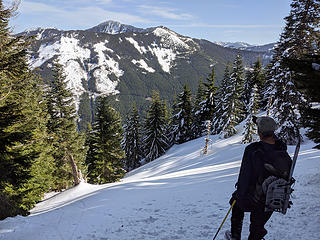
point(35, 7)
point(236, 26)
point(99, 14)
point(104, 1)
point(75, 18)
point(164, 12)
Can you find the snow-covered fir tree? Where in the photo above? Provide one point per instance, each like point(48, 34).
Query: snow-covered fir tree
point(133, 139)
point(198, 124)
point(174, 122)
point(105, 158)
point(238, 76)
point(209, 104)
point(256, 75)
point(247, 87)
point(250, 129)
point(221, 105)
point(307, 75)
point(183, 119)
point(155, 140)
point(299, 37)
point(233, 110)
point(169, 132)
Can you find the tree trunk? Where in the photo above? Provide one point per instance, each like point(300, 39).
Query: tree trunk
point(74, 170)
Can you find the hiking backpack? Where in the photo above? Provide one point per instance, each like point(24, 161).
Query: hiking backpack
point(275, 185)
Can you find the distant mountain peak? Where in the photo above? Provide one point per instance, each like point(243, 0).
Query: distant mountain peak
point(114, 27)
point(237, 45)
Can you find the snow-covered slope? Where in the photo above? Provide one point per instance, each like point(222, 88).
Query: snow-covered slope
point(114, 27)
point(247, 46)
point(266, 50)
point(181, 195)
point(238, 45)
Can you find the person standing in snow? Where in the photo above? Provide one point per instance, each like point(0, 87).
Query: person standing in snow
point(252, 173)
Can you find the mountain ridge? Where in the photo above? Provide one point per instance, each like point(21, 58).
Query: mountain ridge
point(128, 65)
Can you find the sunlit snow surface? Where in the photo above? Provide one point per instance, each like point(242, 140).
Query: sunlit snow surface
point(181, 195)
point(142, 64)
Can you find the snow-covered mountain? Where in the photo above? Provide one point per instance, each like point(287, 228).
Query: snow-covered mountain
point(113, 27)
point(266, 50)
point(128, 62)
point(247, 46)
point(237, 45)
point(181, 195)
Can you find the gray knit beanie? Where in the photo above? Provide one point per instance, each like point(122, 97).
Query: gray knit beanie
point(266, 124)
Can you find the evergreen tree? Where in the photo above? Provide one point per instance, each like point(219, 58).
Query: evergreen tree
point(299, 37)
point(84, 112)
point(255, 76)
point(247, 87)
point(174, 120)
point(105, 158)
point(250, 127)
point(69, 151)
point(169, 132)
point(183, 118)
point(155, 140)
point(307, 75)
point(259, 78)
point(210, 92)
point(237, 76)
point(25, 160)
point(233, 102)
point(221, 105)
point(198, 125)
point(132, 140)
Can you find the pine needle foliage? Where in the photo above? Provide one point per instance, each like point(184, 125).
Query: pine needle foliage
point(26, 164)
point(69, 151)
point(105, 158)
point(155, 140)
point(300, 36)
point(133, 139)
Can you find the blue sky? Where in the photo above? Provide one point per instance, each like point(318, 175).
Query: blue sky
point(251, 21)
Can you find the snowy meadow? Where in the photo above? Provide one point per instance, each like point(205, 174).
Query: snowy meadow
point(181, 195)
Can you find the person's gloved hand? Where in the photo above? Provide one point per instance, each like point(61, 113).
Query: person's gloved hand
point(233, 197)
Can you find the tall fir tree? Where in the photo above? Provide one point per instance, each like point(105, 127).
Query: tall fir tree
point(307, 75)
point(250, 127)
point(237, 76)
point(69, 150)
point(25, 159)
point(247, 87)
point(105, 158)
point(174, 121)
point(198, 125)
point(155, 140)
point(233, 99)
point(169, 132)
point(184, 118)
point(255, 76)
point(299, 37)
point(133, 140)
point(221, 105)
point(209, 105)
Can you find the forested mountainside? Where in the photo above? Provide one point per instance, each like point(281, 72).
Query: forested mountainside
point(129, 62)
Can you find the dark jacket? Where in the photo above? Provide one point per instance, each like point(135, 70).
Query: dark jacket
point(252, 171)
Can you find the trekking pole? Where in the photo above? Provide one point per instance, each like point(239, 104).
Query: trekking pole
point(234, 201)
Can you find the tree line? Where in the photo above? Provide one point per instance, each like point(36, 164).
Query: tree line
point(41, 149)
